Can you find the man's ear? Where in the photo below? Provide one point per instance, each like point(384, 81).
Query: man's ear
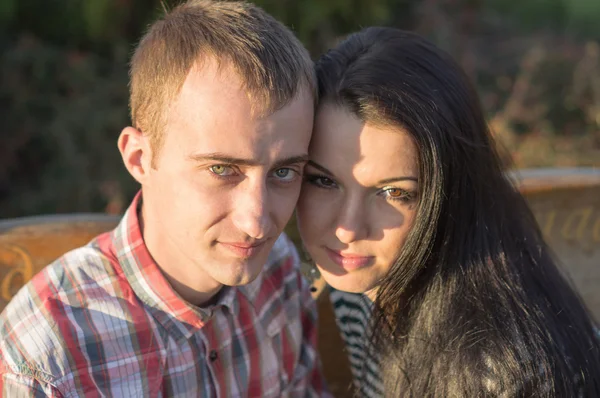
point(136, 153)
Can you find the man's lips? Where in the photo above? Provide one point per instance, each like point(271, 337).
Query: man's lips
point(244, 249)
point(349, 261)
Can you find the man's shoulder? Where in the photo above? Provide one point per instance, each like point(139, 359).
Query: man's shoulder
point(67, 307)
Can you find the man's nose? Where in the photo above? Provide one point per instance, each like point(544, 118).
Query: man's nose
point(252, 211)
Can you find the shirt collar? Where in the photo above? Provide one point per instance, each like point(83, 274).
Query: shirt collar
point(152, 288)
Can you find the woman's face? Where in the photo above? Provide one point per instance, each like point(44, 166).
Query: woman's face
point(359, 198)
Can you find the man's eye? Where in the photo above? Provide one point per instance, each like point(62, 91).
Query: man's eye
point(285, 174)
point(222, 170)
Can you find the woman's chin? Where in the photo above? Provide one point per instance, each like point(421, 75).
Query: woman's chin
point(347, 282)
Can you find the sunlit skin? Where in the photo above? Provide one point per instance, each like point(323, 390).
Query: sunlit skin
point(358, 200)
point(225, 184)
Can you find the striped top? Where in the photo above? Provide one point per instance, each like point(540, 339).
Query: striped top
point(352, 313)
point(103, 321)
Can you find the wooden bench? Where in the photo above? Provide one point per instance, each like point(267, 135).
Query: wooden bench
point(28, 244)
point(566, 203)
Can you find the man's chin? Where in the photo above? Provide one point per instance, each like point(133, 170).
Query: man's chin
point(243, 274)
point(238, 281)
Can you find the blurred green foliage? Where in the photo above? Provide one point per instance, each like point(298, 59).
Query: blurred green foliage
point(578, 17)
point(63, 82)
point(62, 111)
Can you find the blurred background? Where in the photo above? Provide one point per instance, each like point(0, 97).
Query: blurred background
point(63, 82)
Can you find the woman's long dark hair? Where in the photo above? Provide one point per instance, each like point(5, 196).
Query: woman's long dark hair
point(475, 304)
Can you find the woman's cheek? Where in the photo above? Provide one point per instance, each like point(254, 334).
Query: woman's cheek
point(314, 211)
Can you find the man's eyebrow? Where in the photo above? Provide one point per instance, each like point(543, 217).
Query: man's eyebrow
point(222, 158)
point(226, 159)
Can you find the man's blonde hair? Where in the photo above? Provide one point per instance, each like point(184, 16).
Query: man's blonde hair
point(270, 60)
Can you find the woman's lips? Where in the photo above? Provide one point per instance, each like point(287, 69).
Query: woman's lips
point(348, 261)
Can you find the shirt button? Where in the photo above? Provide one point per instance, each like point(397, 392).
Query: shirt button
point(213, 356)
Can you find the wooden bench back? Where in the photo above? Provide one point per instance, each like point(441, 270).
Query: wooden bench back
point(566, 203)
point(28, 244)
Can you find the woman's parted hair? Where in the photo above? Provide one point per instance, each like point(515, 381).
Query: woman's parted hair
point(474, 305)
point(270, 60)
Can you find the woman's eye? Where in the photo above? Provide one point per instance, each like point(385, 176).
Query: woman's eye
point(394, 192)
point(320, 181)
point(285, 174)
point(222, 170)
point(398, 194)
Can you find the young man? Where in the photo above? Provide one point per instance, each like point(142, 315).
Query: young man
point(196, 292)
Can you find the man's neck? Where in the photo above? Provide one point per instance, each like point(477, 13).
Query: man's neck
point(189, 294)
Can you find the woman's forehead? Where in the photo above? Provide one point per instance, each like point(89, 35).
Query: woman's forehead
point(342, 142)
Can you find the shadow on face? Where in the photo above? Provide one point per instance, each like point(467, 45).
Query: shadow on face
point(358, 199)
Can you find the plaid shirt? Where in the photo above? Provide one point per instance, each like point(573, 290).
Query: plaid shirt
point(103, 321)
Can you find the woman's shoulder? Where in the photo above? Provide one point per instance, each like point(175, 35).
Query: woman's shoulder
point(347, 301)
point(352, 311)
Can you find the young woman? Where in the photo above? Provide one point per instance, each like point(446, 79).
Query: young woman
point(443, 285)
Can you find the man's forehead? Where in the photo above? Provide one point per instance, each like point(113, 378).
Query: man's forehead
point(221, 69)
point(213, 120)
point(222, 73)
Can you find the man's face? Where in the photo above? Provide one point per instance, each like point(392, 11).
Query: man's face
point(226, 180)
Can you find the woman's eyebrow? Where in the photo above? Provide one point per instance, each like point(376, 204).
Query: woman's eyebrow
point(299, 159)
point(324, 169)
point(317, 166)
point(396, 179)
